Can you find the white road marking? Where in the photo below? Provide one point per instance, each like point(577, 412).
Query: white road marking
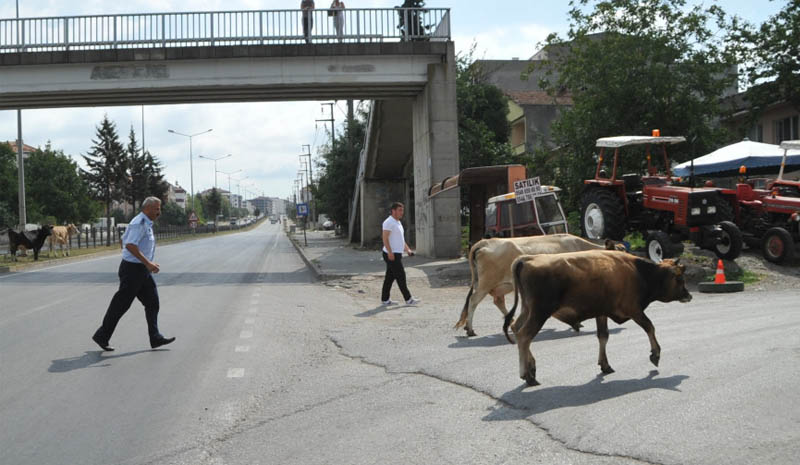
point(242, 348)
point(249, 321)
point(235, 372)
point(246, 334)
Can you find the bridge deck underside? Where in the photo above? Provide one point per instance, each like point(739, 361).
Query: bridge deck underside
point(215, 74)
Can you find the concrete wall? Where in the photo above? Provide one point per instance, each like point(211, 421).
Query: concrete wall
point(435, 132)
point(376, 198)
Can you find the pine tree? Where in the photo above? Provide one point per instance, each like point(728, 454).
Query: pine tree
point(156, 185)
point(106, 175)
point(137, 172)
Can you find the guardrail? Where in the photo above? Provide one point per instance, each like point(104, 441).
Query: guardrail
point(223, 28)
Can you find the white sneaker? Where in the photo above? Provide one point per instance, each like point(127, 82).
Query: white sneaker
point(386, 303)
point(413, 301)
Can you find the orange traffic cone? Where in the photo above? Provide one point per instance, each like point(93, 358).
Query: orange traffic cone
point(719, 278)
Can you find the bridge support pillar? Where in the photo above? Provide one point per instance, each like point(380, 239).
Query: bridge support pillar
point(376, 197)
point(435, 153)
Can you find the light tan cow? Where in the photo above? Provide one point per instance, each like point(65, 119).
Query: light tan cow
point(490, 265)
point(60, 236)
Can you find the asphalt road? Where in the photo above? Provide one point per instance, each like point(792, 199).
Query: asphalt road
point(269, 367)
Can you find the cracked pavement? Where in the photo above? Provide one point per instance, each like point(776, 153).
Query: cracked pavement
point(328, 376)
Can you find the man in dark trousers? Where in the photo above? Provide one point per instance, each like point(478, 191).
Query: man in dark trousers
point(136, 278)
point(394, 244)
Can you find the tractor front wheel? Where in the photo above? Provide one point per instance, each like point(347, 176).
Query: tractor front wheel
point(729, 245)
point(778, 245)
point(659, 246)
point(602, 215)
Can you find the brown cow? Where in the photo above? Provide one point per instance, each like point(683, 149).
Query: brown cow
point(60, 236)
point(490, 265)
point(573, 287)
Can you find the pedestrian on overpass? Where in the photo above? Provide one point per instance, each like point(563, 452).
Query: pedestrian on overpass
point(308, 20)
point(136, 278)
point(337, 11)
point(394, 244)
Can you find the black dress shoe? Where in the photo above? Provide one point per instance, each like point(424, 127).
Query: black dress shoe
point(103, 345)
point(160, 341)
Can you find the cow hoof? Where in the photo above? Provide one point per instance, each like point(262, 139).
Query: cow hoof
point(531, 380)
point(655, 358)
point(471, 333)
point(607, 370)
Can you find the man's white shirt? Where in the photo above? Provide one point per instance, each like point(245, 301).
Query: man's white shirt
point(397, 239)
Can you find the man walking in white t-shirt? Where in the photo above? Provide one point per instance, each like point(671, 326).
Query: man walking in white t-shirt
point(394, 244)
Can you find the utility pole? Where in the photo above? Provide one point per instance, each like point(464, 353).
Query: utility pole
point(311, 180)
point(332, 121)
point(23, 218)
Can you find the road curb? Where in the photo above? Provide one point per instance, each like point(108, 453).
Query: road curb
point(315, 270)
point(51, 263)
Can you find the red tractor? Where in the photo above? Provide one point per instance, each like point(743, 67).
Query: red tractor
point(664, 213)
point(770, 218)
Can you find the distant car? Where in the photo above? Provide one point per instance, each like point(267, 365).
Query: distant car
point(328, 225)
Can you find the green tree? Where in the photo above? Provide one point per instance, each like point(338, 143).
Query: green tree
point(214, 203)
point(333, 190)
point(483, 127)
point(172, 214)
point(771, 54)
point(156, 185)
point(632, 66)
point(136, 164)
point(106, 175)
point(55, 189)
point(8, 186)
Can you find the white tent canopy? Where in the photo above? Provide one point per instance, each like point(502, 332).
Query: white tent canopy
point(729, 158)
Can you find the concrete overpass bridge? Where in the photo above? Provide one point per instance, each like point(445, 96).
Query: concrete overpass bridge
point(403, 59)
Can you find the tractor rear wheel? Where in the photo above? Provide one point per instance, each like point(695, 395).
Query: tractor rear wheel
point(778, 245)
point(729, 246)
point(602, 215)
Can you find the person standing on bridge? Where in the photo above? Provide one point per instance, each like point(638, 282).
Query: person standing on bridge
point(394, 244)
point(308, 18)
point(136, 278)
point(337, 11)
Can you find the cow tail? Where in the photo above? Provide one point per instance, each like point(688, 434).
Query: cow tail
point(473, 284)
point(510, 315)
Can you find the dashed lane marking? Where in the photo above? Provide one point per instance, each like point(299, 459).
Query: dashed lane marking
point(235, 372)
point(242, 348)
point(246, 334)
point(249, 321)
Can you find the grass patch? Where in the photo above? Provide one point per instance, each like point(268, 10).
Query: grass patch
point(636, 240)
point(745, 276)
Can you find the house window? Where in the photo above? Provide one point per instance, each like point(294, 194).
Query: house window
point(786, 129)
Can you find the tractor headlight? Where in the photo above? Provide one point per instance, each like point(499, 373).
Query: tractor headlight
point(712, 209)
point(695, 211)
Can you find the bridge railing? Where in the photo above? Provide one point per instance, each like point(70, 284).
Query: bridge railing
point(222, 28)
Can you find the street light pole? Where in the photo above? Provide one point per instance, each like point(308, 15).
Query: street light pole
point(23, 218)
point(191, 169)
point(215, 160)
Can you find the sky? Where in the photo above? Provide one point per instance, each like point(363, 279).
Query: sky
point(266, 139)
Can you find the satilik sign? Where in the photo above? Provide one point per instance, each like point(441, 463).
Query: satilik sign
point(527, 189)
